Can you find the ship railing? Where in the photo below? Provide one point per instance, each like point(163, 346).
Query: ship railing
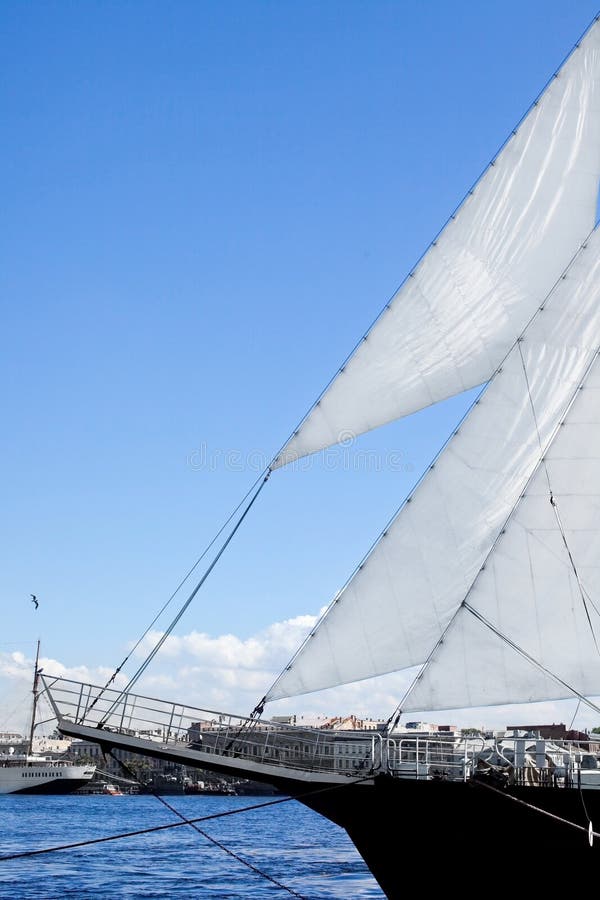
point(163, 725)
point(167, 725)
point(546, 762)
point(529, 761)
point(425, 758)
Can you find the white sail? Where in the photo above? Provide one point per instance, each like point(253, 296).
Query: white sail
point(395, 608)
point(455, 317)
point(532, 623)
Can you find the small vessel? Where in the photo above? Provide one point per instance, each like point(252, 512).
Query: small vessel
point(485, 586)
point(32, 773)
point(112, 790)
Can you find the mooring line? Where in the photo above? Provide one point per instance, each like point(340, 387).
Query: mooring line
point(208, 837)
point(538, 809)
point(24, 854)
point(125, 834)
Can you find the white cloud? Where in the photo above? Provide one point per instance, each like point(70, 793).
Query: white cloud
point(16, 682)
point(18, 668)
point(225, 670)
point(270, 648)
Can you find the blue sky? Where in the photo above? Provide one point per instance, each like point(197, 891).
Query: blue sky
point(204, 206)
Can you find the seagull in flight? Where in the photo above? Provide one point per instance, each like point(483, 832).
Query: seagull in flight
point(35, 600)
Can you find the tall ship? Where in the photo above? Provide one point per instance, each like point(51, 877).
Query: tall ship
point(485, 586)
point(34, 773)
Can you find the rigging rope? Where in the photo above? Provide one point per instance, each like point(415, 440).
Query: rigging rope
point(208, 837)
point(544, 812)
point(142, 668)
point(262, 477)
point(514, 646)
point(528, 657)
point(193, 822)
point(582, 592)
point(575, 714)
point(151, 829)
point(590, 826)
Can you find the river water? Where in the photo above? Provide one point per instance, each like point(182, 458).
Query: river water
point(297, 848)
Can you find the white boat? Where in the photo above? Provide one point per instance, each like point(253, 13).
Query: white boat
point(33, 773)
point(486, 584)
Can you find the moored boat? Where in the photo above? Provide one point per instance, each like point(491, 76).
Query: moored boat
point(34, 773)
point(31, 774)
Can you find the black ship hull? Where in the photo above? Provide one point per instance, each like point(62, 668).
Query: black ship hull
point(438, 833)
point(67, 786)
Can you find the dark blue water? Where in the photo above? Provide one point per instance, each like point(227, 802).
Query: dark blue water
point(293, 845)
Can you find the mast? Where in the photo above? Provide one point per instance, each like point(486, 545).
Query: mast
point(36, 678)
